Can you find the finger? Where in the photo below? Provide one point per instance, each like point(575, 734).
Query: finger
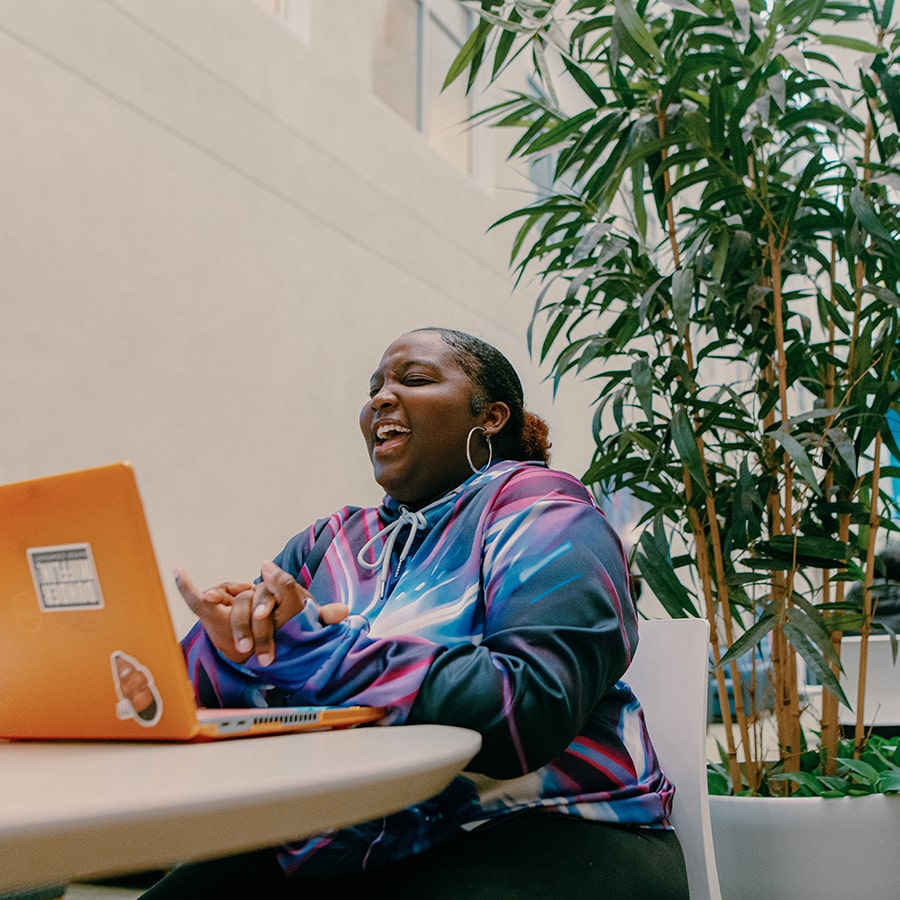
point(290, 597)
point(276, 579)
point(192, 596)
point(241, 628)
point(196, 598)
point(262, 623)
point(333, 613)
point(233, 588)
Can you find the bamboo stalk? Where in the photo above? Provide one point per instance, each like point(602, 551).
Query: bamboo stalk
point(859, 731)
point(783, 657)
point(718, 602)
point(830, 732)
point(859, 273)
point(718, 605)
point(724, 611)
point(703, 568)
point(670, 210)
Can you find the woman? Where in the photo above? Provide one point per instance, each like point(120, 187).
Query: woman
point(487, 591)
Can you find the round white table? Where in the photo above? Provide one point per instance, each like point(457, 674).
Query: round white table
point(77, 810)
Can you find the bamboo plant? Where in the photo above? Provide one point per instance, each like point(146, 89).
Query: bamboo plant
point(718, 253)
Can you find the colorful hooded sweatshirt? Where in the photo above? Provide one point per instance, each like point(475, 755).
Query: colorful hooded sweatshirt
point(504, 607)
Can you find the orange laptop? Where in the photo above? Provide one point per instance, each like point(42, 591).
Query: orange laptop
point(87, 646)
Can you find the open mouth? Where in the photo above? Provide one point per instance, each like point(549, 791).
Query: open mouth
point(389, 435)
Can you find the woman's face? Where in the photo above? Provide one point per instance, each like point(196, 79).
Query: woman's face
point(418, 418)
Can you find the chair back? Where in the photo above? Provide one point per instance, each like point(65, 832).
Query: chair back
point(669, 674)
point(882, 697)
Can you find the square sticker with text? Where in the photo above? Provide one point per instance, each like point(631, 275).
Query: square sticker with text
point(65, 577)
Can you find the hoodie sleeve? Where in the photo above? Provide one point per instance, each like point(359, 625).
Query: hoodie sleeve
point(315, 665)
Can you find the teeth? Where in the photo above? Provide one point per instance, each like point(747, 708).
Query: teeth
point(382, 432)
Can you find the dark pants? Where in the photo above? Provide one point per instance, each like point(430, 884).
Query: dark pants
point(527, 856)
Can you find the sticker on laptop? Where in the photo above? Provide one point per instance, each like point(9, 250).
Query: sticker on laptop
point(65, 577)
point(138, 696)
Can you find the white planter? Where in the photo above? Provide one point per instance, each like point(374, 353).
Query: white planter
point(807, 848)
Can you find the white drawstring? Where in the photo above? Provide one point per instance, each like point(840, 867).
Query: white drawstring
point(390, 533)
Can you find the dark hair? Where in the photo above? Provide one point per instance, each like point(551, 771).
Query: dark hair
point(525, 435)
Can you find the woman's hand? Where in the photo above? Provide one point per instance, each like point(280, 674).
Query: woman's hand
point(241, 618)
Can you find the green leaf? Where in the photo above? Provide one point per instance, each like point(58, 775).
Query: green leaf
point(750, 638)
point(634, 25)
point(888, 783)
point(682, 294)
point(577, 283)
point(716, 117)
point(590, 240)
point(807, 550)
point(542, 66)
point(717, 784)
point(655, 565)
point(534, 131)
point(801, 643)
point(845, 448)
point(889, 83)
point(586, 83)
point(868, 774)
point(559, 132)
point(470, 49)
point(810, 621)
point(686, 444)
point(642, 377)
point(505, 44)
point(861, 46)
point(798, 456)
point(866, 215)
point(812, 783)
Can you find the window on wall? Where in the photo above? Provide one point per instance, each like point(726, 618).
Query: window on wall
point(416, 41)
point(396, 58)
point(294, 13)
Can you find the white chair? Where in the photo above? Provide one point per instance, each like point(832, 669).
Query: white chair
point(882, 697)
point(669, 674)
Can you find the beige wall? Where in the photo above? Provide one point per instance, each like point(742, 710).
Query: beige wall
point(209, 230)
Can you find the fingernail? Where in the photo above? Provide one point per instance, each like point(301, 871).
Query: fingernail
point(244, 645)
point(265, 659)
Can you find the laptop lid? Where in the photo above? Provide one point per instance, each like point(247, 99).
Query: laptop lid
point(87, 646)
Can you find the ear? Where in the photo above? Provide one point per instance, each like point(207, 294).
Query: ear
point(496, 415)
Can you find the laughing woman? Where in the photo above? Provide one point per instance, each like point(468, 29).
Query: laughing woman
point(487, 591)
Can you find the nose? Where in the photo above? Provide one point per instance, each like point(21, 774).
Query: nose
point(383, 398)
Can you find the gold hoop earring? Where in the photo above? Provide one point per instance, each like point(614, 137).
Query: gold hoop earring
point(487, 437)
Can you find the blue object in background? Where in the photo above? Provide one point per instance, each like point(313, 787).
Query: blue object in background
point(893, 418)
